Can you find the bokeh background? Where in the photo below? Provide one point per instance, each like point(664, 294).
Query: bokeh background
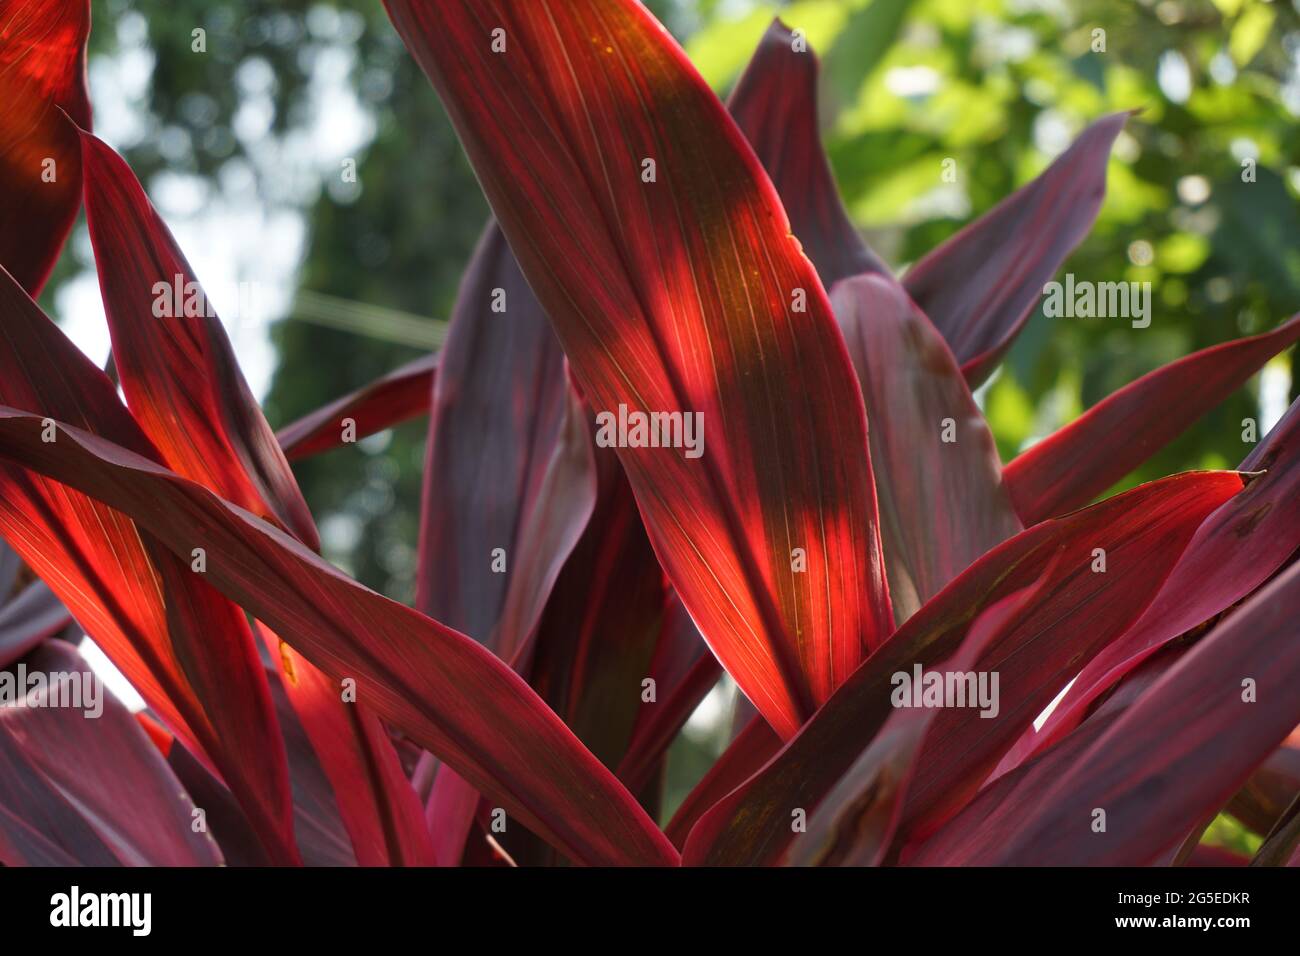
point(326, 283)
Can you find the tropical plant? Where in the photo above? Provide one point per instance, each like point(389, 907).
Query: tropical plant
point(656, 258)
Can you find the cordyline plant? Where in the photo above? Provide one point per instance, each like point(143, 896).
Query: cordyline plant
point(648, 463)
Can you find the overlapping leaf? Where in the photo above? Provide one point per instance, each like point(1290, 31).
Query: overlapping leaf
point(996, 812)
point(775, 106)
point(666, 266)
point(76, 767)
point(980, 286)
point(509, 484)
point(436, 685)
point(397, 397)
point(1072, 615)
point(683, 671)
point(185, 388)
point(751, 749)
point(383, 816)
point(855, 824)
point(1236, 550)
point(154, 618)
point(938, 475)
point(1065, 470)
point(1181, 750)
point(173, 356)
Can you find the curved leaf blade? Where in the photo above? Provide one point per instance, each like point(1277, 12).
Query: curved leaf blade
point(1073, 615)
point(399, 396)
point(1181, 750)
point(938, 475)
point(1064, 471)
point(1235, 551)
point(441, 688)
point(87, 777)
point(775, 105)
point(178, 371)
point(42, 72)
point(980, 286)
point(152, 615)
point(682, 293)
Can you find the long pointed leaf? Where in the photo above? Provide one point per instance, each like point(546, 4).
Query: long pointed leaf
point(1181, 750)
point(1235, 551)
point(680, 293)
point(201, 675)
point(996, 812)
point(938, 475)
point(684, 671)
point(775, 106)
point(856, 823)
point(551, 529)
point(441, 688)
point(980, 286)
point(399, 396)
point(1064, 471)
point(1073, 615)
point(185, 388)
point(176, 365)
point(42, 72)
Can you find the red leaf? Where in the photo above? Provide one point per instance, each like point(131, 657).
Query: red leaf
point(775, 106)
point(995, 813)
point(137, 602)
point(400, 395)
point(1064, 471)
point(439, 687)
point(178, 370)
point(683, 293)
point(1181, 750)
point(383, 816)
point(29, 618)
point(42, 71)
point(185, 388)
point(753, 747)
point(77, 768)
point(322, 837)
point(499, 404)
point(942, 500)
point(551, 529)
point(603, 623)
point(684, 671)
point(1235, 551)
point(21, 845)
point(597, 637)
point(509, 484)
point(981, 285)
point(1269, 791)
point(1073, 615)
point(855, 824)
point(225, 821)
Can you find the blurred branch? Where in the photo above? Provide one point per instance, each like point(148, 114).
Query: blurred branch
point(371, 321)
